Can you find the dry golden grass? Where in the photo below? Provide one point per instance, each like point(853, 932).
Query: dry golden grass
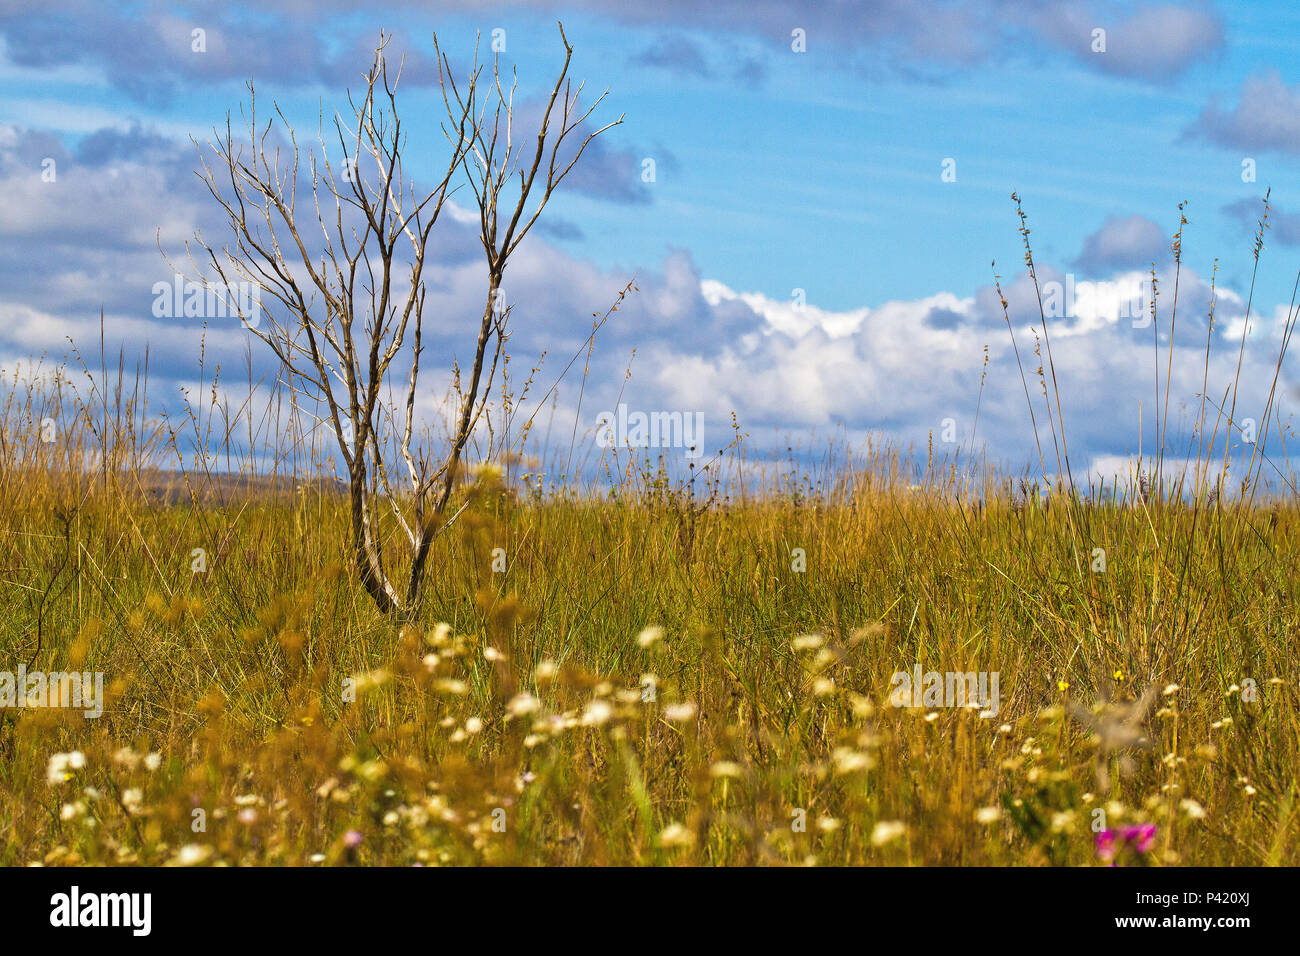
point(649, 681)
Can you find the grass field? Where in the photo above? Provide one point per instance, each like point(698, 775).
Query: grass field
point(659, 675)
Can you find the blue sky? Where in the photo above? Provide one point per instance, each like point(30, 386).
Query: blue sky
point(776, 170)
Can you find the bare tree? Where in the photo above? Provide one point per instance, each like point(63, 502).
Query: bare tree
point(339, 312)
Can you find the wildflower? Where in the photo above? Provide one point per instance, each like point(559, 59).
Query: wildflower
point(651, 636)
point(545, 671)
point(521, 705)
point(1106, 845)
point(441, 635)
point(725, 768)
point(847, 760)
point(192, 854)
point(987, 815)
point(1063, 821)
point(808, 642)
point(679, 713)
point(1117, 727)
point(598, 712)
point(60, 767)
point(887, 831)
point(152, 762)
point(1138, 839)
point(371, 679)
point(1192, 809)
point(675, 835)
point(862, 706)
point(1143, 836)
point(352, 839)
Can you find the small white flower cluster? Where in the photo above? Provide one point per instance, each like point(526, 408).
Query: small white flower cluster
point(61, 766)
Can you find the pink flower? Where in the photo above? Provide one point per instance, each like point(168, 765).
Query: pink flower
point(1142, 838)
point(1139, 839)
point(1106, 845)
point(352, 839)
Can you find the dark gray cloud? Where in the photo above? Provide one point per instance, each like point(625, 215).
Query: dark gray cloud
point(611, 174)
point(133, 144)
point(682, 55)
point(677, 53)
point(940, 318)
point(1283, 227)
point(604, 171)
point(562, 229)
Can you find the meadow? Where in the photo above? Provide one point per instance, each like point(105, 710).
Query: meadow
point(644, 671)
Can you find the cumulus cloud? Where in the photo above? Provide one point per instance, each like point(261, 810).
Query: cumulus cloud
point(151, 52)
point(1151, 42)
point(1124, 242)
point(895, 369)
point(1266, 117)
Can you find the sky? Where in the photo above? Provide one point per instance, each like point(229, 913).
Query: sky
point(816, 250)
